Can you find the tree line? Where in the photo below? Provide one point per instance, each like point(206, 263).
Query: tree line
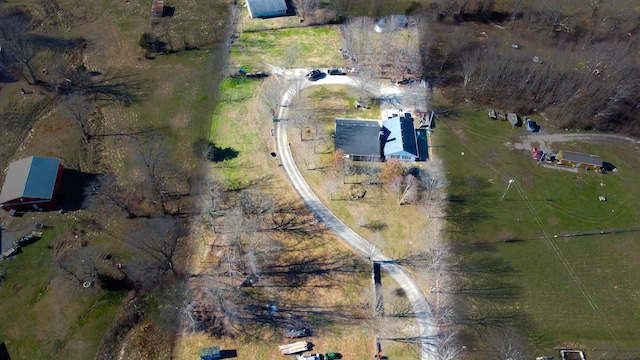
point(573, 62)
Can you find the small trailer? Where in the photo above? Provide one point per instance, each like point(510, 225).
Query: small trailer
point(211, 353)
point(572, 355)
point(27, 239)
point(10, 252)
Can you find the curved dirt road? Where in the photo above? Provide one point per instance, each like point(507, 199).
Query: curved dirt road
point(427, 332)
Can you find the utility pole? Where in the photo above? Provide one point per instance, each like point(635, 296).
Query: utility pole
point(511, 181)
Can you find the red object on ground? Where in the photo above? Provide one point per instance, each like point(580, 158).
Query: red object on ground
point(537, 153)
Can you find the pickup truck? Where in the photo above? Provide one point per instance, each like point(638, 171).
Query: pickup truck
point(308, 357)
point(297, 333)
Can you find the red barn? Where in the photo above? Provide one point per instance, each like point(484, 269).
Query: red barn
point(31, 184)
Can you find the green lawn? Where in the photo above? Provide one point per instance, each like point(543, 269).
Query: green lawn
point(566, 291)
point(46, 316)
point(292, 47)
point(564, 202)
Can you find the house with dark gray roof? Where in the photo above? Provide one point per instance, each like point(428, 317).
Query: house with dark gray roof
point(266, 8)
point(373, 140)
point(360, 140)
point(31, 184)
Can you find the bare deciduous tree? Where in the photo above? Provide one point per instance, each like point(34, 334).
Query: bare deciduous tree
point(509, 343)
point(300, 114)
point(106, 190)
point(80, 264)
point(432, 180)
point(332, 184)
point(158, 240)
point(409, 190)
point(364, 79)
point(459, 38)
point(17, 43)
point(357, 39)
point(270, 96)
point(293, 52)
point(161, 179)
point(341, 8)
point(79, 108)
point(305, 8)
point(216, 197)
point(308, 155)
point(448, 347)
point(256, 204)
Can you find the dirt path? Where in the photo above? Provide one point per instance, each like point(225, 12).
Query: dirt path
point(392, 98)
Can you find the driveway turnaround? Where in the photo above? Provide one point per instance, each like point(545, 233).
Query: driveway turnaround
point(426, 332)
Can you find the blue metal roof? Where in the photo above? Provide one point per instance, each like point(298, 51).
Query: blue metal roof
point(32, 177)
point(402, 136)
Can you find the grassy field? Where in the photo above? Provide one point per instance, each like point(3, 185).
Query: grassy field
point(565, 291)
point(480, 163)
point(290, 47)
point(46, 314)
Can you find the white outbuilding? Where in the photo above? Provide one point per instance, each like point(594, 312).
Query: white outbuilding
point(266, 8)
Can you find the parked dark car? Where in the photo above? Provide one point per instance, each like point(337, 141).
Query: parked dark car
point(336, 71)
point(297, 333)
point(314, 74)
point(531, 125)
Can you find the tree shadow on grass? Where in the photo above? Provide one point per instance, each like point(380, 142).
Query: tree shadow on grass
point(71, 195)
point(4, 353)
point(467, 205)
point(484, 286)
point(294, 218)
point(223, 154)
point(483, 276)
point(215, 154)
point(312, 271)
point(258, 314)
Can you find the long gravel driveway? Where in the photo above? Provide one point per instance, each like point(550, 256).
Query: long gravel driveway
point(427, 331)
